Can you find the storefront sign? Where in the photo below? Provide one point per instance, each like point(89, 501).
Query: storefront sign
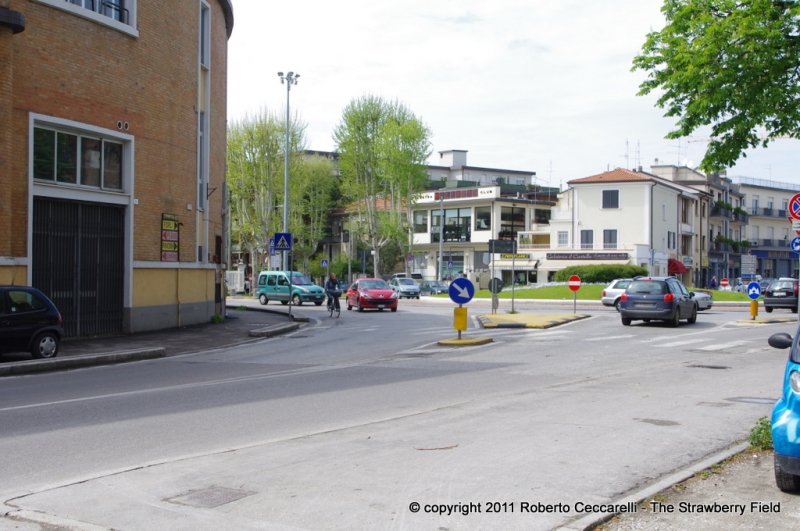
point(516, 256)
point(456, 194)
point(587, 256)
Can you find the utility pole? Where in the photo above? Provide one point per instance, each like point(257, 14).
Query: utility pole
point(290, 79)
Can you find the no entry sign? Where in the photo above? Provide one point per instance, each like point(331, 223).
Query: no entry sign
point(574, 282)
point(724, 282)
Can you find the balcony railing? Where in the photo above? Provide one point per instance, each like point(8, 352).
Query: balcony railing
point(720, 212)
point(742, 218)
point(771, 242)
point(769, 212)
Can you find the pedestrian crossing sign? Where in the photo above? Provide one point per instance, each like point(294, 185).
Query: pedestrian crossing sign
point(283, 241)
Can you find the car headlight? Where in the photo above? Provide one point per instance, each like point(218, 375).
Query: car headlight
point(304, 290)
point(794, 381)
point(364, 295)
point(393, 295)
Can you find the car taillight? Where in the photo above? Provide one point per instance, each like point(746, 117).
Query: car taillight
point(795, 288)
point(604, 293)
point(669, 297)
point(624, 297)
point(59, 319)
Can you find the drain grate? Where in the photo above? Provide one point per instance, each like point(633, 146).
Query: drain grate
point(210, 497)
point(709, 366)
point(751, 400)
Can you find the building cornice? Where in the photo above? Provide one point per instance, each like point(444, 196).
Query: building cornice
point(227, 8)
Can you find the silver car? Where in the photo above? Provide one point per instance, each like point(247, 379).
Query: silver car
point(405, 287)
point(705, 300)
point(614, 291)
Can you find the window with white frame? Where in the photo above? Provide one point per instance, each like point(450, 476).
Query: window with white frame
point(73, 158)
point(610, 198)
point(610, 239)
point(587, 239)
point(122, 11)
point(563, 238)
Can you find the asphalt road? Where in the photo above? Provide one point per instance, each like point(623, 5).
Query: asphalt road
point(347, 422)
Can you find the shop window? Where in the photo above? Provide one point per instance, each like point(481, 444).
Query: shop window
point(483, 218)
point(420, 221)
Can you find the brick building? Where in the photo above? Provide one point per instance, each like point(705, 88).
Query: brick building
point(112, 158)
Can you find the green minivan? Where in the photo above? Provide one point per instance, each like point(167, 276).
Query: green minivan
point(274, 286)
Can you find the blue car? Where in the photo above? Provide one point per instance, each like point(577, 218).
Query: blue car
point(657, 299)
point(786, 418)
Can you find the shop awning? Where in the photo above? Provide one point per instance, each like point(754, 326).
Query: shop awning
point(675, 267)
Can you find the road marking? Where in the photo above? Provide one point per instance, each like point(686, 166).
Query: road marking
point(679, 343)
point(724, 345)
point(604, 338)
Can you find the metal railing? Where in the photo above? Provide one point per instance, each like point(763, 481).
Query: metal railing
point(769, 212)
point(720, 212)
point(771, 242)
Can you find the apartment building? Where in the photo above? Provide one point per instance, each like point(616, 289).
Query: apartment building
point(112, 158)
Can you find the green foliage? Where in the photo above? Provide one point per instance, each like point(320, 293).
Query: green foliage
point(241, 308)
point(761, 434)
point(729, 64)
point(600, 272)
point(217, 318)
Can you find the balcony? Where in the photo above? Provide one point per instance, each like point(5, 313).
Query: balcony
point(740, 217)
point(769, 213)
point(779, 243)
point(720, 212)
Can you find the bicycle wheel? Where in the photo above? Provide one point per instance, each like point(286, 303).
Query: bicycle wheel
point(336, 308)
point(330, 309)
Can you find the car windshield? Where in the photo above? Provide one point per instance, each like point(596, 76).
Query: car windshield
point(373, 284)
point(647, 287)
point(407, 281)
point(782, 284)
point(622, 284)
point(299, 279)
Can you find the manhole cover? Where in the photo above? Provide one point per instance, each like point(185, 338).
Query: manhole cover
point(210, 497)
point(709, 366)
point(751, 400)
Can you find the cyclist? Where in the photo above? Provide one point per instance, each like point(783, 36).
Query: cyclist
point(331, 287)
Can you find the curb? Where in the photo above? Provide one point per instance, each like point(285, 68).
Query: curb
point(486, 322)
point(773, 320)
point(73, 362)
point(590, 522)
point(465, 342)
point(295, 317)
point(274, 330)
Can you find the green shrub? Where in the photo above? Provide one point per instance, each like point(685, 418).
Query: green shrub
point(761, 434)
point(217, 318)
point(241, 308)
point(600, 273)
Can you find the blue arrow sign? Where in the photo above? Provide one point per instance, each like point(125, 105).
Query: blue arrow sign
point(283, 241)
point(753, 290)
point(461, 290)
point(796, 244)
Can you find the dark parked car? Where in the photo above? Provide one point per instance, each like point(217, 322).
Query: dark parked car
point(657, 299)
point(781, 293)
point(433, 287)
point(29, 321)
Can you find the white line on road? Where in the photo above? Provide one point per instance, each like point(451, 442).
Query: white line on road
point(679, 343)
point(606, 338)
point(724, 345)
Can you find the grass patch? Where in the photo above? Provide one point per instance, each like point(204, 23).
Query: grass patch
point(761, 435)
point(217, 318)
point(241, 308)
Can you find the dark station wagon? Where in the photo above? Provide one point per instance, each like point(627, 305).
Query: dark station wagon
point(657, 299)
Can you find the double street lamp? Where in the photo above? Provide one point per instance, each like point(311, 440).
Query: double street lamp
point(290, 79)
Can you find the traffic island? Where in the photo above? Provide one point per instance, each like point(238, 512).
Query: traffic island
point(465, 341)
point(768, 320)
point(529, 320)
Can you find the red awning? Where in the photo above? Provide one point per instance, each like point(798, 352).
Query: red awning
point(675, 267)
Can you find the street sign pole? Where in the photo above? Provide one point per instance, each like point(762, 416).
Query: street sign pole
point(513, 281)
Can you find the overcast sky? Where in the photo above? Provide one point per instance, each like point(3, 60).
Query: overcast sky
point(535, 85)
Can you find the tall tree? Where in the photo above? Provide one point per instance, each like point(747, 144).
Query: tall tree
point(311, 198)
point(382, 151)
point(730, 64)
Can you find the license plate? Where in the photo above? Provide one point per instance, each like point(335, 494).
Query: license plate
point(643, 305)
point(779, 294)
point(381, 306)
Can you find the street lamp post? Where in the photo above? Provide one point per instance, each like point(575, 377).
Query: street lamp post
point(290, 79)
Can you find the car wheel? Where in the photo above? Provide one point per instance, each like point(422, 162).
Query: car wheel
point(45, 346)
point(616, 304)
point(296, 300)
point(767, 309)
point(794, 310)
point(263, 299)
point(349, 306)
point(626, 321)
point(676, 320)
point(693, 318)
point(284, 302)
point(417, 297)
point(785, 481)
point(360, 308)
point(394, 309)
point(318, 303)
point(645, 320)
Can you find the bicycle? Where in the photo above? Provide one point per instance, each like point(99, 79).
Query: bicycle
point(334, 308)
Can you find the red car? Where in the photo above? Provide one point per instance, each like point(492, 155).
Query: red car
point(372, 293)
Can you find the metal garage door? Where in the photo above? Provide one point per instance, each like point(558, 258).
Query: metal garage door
point(79, 262)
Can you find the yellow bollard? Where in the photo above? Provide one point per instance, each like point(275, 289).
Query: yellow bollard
point(754, 309)
point(460, 320)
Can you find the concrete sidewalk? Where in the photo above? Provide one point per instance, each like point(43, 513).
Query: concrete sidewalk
point(234, 330)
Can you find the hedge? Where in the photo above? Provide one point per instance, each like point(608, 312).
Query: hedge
point(600, 273)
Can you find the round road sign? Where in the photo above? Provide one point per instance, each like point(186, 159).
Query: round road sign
point(574, 282)
point(495, 285)
point(754, 290)
point(723, 283)
point(794, 206)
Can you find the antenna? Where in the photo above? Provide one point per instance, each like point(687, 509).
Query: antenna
point(638, 157)
point(627, 163)
point(681, 150)
point(550, 174)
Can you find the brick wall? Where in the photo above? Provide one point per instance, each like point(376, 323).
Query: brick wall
point(69, 67)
